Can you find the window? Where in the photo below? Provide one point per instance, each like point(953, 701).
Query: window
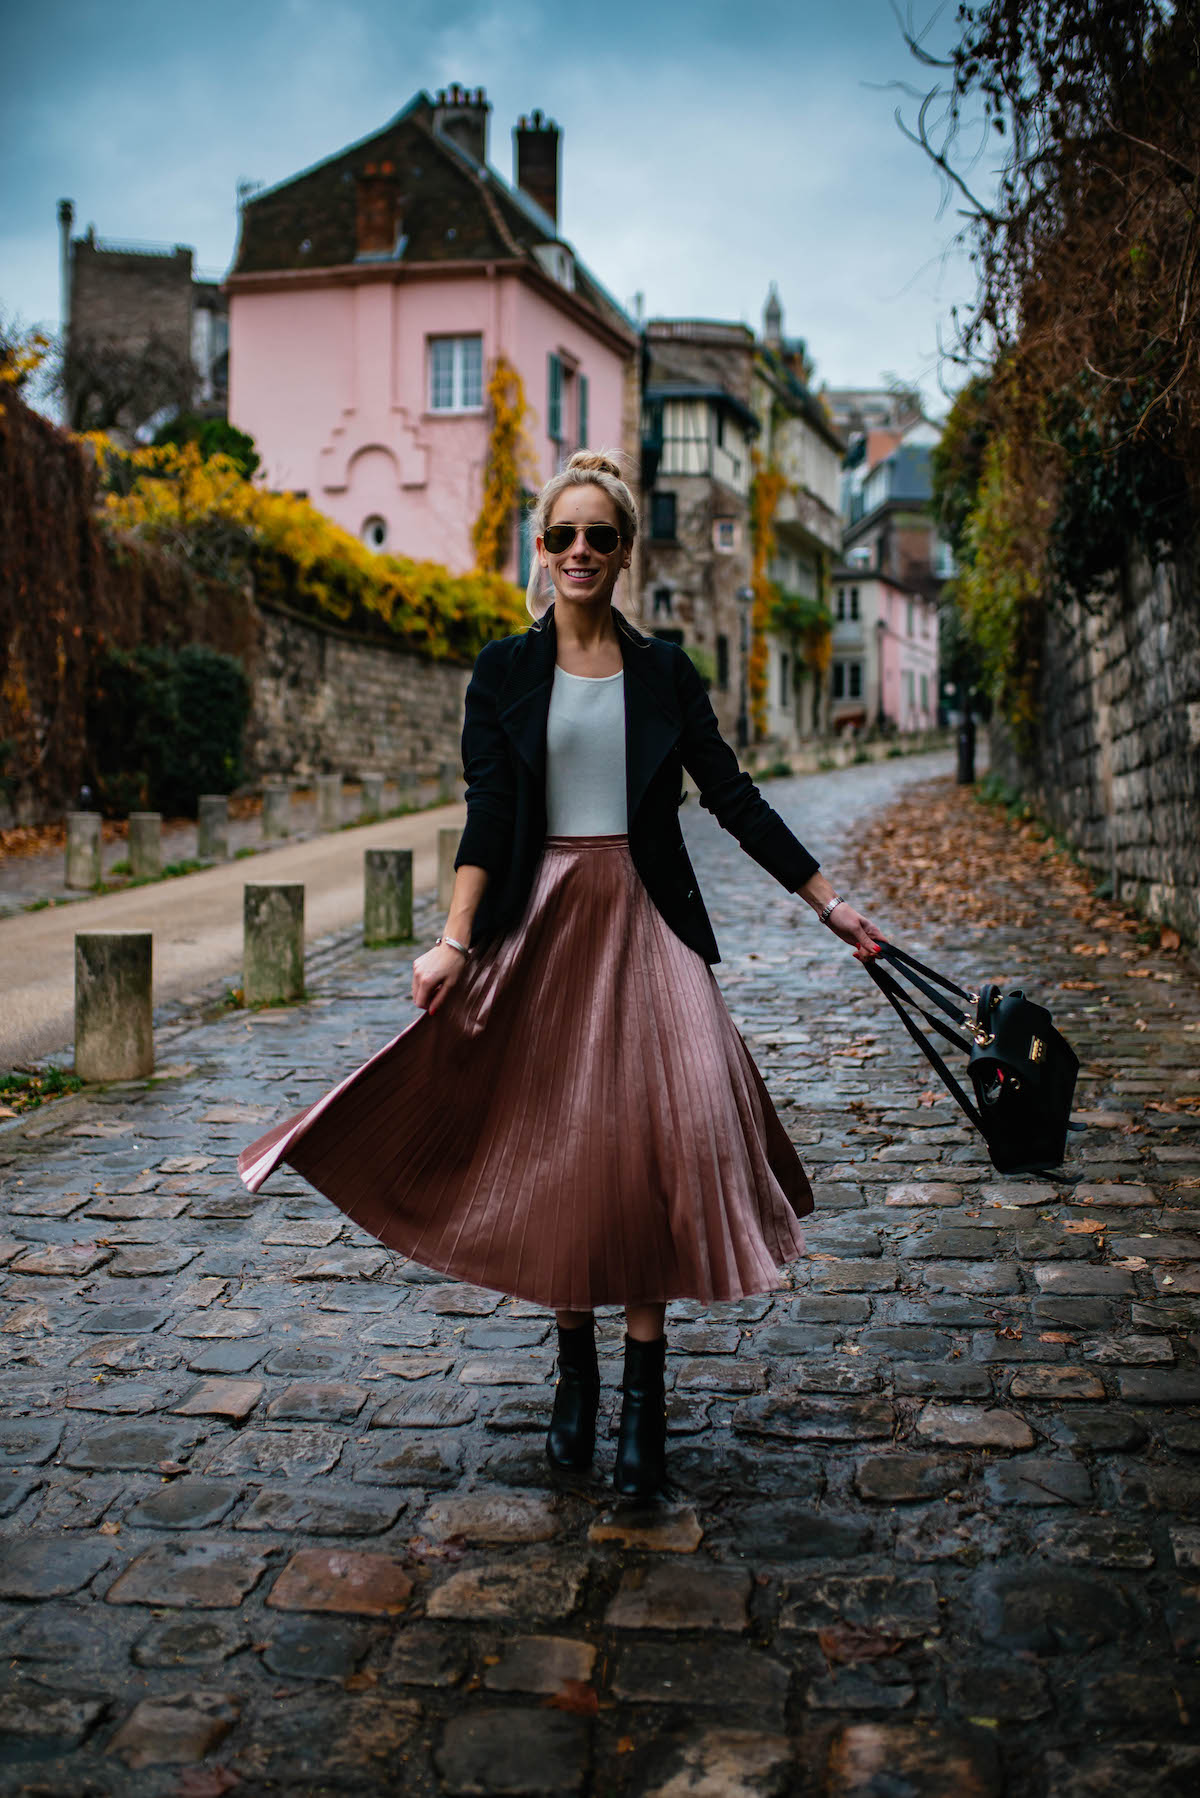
point(455, 374)
point(909, 695)
point(583, 411)
point(854, 602)
point(785, 697)
point(854, 680)
point(725, 533)
point(662, 602)
point(841, 604)
point(554, 398)
point(662, 517)
point(722, 664)
point(839, 680)
point(908, 627)
point(375, 532)
point(924, 692)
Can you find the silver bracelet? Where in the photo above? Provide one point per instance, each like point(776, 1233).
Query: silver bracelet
point(823, 916)
point(453, 942)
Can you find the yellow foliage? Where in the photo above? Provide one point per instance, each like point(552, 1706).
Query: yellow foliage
point(201, 508)
point(22, 357)
point(766, 490)
point(509, 465)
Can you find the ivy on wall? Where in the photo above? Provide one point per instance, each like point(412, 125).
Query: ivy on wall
point(806, 622)
point(209, 516)
point(766, 490)
point(508, 468)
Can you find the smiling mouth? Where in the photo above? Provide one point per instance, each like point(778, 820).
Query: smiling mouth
point(580, 574)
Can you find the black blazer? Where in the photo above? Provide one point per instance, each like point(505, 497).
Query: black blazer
point(669, 726)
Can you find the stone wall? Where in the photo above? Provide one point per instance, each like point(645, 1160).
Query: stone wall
point(329, 702)
point(1117, 769)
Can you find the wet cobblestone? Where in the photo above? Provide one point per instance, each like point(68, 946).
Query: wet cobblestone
point(273, 1503)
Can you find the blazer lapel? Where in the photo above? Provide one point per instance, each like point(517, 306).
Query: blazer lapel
point(525, 700)
point(653, 724)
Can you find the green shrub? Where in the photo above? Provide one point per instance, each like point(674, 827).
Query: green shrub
point(165, 726)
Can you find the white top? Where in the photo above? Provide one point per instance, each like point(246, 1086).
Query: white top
point(585, 756)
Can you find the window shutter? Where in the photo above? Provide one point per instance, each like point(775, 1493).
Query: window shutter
point(554, 394)
point(583, 411)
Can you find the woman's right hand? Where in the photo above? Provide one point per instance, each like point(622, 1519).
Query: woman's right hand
point(435, 974)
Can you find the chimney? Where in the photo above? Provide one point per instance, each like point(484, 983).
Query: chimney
point(462, 115)
point(66, 218)
point(535, 161)
point(379, 218)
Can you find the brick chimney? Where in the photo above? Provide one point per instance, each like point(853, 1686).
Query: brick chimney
point(379, 217)
point(536, 160)
point(461, 113)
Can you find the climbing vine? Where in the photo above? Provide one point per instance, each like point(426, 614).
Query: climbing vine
point(509, 461)
point(766, 490)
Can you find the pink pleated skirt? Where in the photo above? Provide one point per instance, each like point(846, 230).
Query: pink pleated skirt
point(579, 1124)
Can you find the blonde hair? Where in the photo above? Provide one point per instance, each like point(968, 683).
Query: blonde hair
point(586, 468)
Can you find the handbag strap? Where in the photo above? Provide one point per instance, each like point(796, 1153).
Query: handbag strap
point(900, 1001)
point(913, 971)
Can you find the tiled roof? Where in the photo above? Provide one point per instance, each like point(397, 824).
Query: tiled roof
point(456, 210)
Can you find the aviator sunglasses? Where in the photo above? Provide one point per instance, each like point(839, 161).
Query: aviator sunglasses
point(603, 538)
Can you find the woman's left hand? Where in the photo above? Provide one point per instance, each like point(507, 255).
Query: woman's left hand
point(863, 936)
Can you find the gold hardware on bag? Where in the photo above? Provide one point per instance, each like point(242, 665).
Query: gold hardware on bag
point(1037, 1049)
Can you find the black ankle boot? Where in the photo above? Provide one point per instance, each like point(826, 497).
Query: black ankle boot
point(571, 1438)
point(642, 1438)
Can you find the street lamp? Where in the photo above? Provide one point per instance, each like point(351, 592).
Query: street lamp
point(745, 600)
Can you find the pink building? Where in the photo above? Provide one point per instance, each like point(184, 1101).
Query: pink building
point(370, 298)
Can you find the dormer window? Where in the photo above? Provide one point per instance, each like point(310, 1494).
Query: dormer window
point(558, 263)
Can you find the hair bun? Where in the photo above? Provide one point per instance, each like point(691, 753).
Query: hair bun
point(597, 462)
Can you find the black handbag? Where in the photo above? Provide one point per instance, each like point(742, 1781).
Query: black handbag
point(1022, 1069)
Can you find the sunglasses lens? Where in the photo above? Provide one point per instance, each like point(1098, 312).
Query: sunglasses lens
point(603, 538)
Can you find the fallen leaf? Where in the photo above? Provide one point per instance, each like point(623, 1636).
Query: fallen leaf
point(206, 1782)
point(1012, 1332)
point(109, 1528)
point(576, 1696)
point(625, 1745)
point(1083, 1226)
point(850, 1642)
point(359, 1682)
point(1170, 940)
point(1133, 1262)
point(171, 1467)
point(1056, 1336)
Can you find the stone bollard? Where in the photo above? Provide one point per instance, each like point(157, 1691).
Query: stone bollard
point(448, 841)
point(276, 811)
point(449, 782)
point(83, 849)
point(372, 795)
point(273, 941)
point(114, 1004)
point(329, 801)
point(406, 788)
point(387, 897)
point(145, 845)
point(212, 828)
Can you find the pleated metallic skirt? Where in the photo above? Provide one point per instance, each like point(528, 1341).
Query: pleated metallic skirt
point(579, 1124)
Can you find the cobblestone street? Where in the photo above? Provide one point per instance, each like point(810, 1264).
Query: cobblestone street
point(276, 1516)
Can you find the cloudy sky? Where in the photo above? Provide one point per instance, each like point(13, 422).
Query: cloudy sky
point(709, 146)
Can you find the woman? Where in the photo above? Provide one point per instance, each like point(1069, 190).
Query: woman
point(575, 1120)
